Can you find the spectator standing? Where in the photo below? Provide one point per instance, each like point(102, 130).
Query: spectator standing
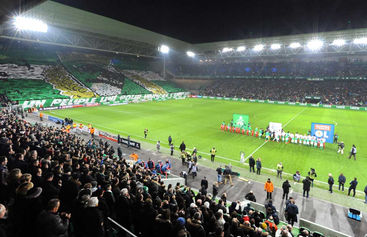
point(341, 181)
point(353, 186)
point(215, 190)
point(365, 194)
point(118, 139)
point(258, 166)
point(204, 182)
point(172, 148)
point(279, 170)
point(227, 175)
point(353, 152)
point(182, 146)
point(286, 187)
point(330, 181)
point(194, 170)
point(219, 174)
point(50, 223)
point(306, 186)
point(292, 212)
point(128, 141)
point(269, 188)
point(169, 139)
point(251, 162)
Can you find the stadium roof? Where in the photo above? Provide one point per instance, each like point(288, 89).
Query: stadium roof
point(99, 32)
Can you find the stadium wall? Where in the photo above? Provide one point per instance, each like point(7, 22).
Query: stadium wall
point(347, 107)
point(49, 104)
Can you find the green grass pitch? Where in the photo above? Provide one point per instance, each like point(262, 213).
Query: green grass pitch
point(197, 122)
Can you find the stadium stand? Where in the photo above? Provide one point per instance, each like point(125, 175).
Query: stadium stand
point(337, 92)
point(23, 89)
point(131, 88)
point(139, 78)
point(335, 68)
point(168, 86)
point(62, 81)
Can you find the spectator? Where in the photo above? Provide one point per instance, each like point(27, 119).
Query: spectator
point(353, 186)
point(365, 194)
point(331, 183)
point(204, 183)
point(250, 196)
point(227, 175)
point(341, 181)
point(252, 164)
point(306, 186)
point(258, 166)
point(292, 212)
point(2, 214)
point(219, 174)
point(182, 146)
point(50, 223)
point(269, 188)
point(286, 187)
point(215, 190)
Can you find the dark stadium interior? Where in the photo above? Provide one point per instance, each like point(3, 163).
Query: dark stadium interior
point(59, 177)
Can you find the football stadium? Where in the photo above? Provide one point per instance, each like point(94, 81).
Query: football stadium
point(110, 129)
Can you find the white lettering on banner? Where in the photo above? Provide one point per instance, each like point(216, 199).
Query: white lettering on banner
point(291, 103)
point(261, 101)
point(271, 102)
point(281, 102)
point(211, 97)
point(302, 104)
point(227, 98)
point(314, 105)
point(56, 101)
point(252, 100)
point(354, 108)
point(340, 107)
point(32, 103)
point(326, 106)
point(108, 98)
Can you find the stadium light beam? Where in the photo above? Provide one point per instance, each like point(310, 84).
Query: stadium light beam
point(360, 41)
point(190, 54)
point(163, 49)
point(338, 42)
point(295, 45)
point(241, 48)
point(275, 46)
point(315, 44)
point(258, 47)
point(226, 50)
point(30, 24)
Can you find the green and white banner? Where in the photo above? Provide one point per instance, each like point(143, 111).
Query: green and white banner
point(104, 100)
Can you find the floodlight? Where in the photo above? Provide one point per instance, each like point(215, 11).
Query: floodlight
point(190, 54)
point(315, 44)
point(163, 49)
point(31, 24)
point(275, 46)
point(338, 42)
point(295, 45)
point(258, 47)
point(360, 41)
point(225, 50)
point(241, 48)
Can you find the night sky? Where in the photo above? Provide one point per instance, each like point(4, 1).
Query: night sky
point(209, 21)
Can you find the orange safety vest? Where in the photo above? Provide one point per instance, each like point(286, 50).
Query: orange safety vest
point(80, 125)
point(41, 115)
point(74, 125)
point(92, 131)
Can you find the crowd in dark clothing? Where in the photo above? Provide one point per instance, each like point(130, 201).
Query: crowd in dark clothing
point(331, 92)
point(54, 183)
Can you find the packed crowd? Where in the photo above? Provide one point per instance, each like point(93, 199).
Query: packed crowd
point(336, 92)
point(338, 69)
point(56, 184)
